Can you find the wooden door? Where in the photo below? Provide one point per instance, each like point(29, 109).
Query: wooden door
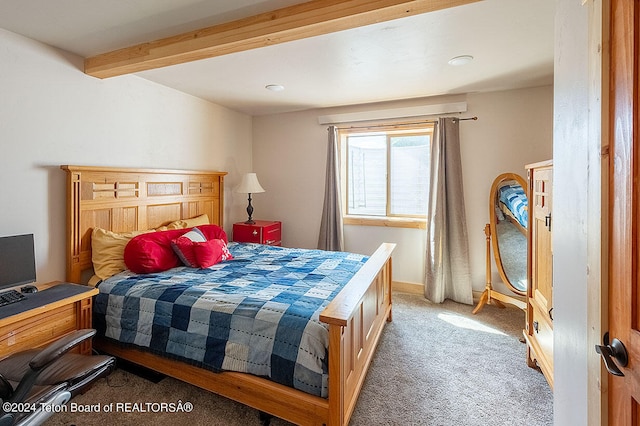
point(624, 205)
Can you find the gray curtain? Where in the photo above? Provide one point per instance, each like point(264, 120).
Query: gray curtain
point(448, 273)
point(331, 237)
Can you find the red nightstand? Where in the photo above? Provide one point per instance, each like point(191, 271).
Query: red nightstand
point(261, 232)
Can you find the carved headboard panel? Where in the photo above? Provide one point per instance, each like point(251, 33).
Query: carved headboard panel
point(122, 200)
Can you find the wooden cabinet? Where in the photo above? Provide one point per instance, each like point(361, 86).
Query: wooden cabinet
point(261, 232)
point(539, 324)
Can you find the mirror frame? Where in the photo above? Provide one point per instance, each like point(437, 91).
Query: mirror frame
point(493, 200)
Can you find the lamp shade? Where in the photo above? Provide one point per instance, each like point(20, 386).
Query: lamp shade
point(249, 184)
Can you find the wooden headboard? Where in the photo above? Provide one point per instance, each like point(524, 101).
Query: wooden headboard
point(122, 200)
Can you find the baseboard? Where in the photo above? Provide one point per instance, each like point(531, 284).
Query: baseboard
point(418, 288)
point(402, 287)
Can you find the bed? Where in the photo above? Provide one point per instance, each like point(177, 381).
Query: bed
point(128, 200)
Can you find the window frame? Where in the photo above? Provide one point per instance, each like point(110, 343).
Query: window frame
point(389, 220)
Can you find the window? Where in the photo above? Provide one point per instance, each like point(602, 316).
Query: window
point(385, 173)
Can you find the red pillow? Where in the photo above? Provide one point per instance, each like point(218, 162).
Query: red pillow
point(153, 253)
point(183, 246)
point(195, 251)
point(211, 252)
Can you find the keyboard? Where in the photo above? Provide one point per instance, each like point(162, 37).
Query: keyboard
point(11, 296)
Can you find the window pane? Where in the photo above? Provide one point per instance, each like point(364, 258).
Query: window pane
point(409, 180)
point(367, 176)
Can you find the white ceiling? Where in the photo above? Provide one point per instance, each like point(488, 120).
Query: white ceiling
point(511, 41)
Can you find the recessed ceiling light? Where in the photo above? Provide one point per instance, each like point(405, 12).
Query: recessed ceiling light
point(274, 87)
point(460, 60)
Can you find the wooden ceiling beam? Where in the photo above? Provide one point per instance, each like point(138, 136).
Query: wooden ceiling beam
point(310, 19)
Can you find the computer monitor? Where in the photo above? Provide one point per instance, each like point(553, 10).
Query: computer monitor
point(17, 261)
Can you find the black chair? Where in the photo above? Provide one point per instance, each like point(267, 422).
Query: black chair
point(46, 377)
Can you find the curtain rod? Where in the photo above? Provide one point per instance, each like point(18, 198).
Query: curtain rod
point(465, 119)
point(413, 123)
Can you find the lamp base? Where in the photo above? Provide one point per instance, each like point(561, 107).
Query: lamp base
point(250, 212)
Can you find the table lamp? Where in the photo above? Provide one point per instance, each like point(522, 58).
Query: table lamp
point(249, 185)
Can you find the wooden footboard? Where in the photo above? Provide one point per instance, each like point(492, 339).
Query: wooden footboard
point(356, 318)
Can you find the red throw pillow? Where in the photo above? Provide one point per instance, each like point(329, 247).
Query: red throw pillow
point(211, 252)
point(153, 253)
point(183, 246)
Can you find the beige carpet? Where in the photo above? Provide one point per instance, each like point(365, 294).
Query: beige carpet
point(435, 365)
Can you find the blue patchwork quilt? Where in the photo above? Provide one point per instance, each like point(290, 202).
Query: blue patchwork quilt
point(515, 199)
point(257, 314)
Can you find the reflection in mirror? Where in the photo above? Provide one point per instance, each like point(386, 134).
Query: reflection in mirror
point(506, 233)
point(510, 236)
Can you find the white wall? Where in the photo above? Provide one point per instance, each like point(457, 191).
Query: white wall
point(53, 114)
point(289, 154)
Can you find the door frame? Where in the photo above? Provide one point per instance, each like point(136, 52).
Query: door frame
point(598, 201)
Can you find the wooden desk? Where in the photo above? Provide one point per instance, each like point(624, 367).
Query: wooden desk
point(56, 313)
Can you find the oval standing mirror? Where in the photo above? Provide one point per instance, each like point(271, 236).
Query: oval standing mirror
point(506, 233)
